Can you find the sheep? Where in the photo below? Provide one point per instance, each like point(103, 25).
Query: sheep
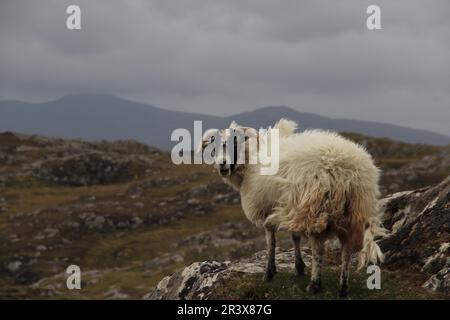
point(326, 186)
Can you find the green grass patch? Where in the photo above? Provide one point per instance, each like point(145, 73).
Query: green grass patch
point(394, 285)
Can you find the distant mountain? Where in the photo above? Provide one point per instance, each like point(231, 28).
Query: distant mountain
point(96, 117)
point(267, 115)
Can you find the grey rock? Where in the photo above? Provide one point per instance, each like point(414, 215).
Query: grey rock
point(420, 237)
point(439, 282)
point(199, 280)
point(14, 266)
point(95, 221)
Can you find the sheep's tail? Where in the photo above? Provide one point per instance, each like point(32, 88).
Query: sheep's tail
point(286, 127)
point(371, 252)
point(365, 222)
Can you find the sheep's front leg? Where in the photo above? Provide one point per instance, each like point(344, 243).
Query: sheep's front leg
point(343, 279)
point(271, 268)
point(299, 264)
point(316, 266)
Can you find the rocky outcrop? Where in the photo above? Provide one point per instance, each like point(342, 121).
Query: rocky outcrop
point(199, 280)
point(420, 238)
point(90, 168)
point(419, 241)
point(72, 162)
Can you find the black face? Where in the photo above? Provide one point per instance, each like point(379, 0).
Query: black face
point(226, 167)
point(224, 170)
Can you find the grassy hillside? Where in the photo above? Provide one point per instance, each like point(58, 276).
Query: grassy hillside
point(120, 234)
point(391, 154)
point(395, 286)
point(144, 220)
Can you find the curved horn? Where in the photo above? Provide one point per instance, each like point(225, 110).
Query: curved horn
point(206, 136)
point(251, 132)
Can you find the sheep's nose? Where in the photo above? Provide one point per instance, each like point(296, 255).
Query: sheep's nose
point(224, 169)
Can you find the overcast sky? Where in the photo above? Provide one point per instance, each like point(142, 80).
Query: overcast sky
point(223, 57)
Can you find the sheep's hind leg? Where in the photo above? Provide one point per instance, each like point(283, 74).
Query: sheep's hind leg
point(299, 264)
point(343, 279)
point(316, 266)
point(271, 268)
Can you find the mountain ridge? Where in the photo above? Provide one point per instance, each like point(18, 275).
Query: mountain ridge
point(108, 117)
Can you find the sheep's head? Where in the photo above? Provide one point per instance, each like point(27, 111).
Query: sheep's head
point(229, 149)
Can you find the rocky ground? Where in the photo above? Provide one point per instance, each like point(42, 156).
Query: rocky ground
point(129, 217)
point(418, 245)
point(120, 210)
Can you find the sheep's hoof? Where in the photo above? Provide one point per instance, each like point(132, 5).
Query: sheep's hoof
point(314, 287)
point(269, 275)
point(300, 270)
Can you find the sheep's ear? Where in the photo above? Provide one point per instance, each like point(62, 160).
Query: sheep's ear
point(234, 125)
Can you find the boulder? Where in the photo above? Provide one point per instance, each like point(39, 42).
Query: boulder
point(198, 281)
point(420, 224)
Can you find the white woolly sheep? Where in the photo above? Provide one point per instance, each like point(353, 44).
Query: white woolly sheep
point(326, 186)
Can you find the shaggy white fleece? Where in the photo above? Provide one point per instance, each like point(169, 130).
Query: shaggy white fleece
point(326, 184)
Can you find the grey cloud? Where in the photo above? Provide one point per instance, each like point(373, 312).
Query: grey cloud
point(221, 57)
